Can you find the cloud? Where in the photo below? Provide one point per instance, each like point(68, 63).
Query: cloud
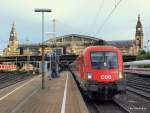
point(74, 16)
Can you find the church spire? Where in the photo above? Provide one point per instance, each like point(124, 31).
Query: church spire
point(13, 29)
point(139, 36)
point(139, 28)
point(13, 33)
point(138, 17)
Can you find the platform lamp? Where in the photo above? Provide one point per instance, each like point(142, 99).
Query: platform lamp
point(43, 63)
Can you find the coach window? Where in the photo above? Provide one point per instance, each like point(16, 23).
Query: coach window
point(146, 66)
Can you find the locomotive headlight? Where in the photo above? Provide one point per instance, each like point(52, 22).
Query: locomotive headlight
point(89, 75)
point(120, 75)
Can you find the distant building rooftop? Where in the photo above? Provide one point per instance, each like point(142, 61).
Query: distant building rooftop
point(122, 43)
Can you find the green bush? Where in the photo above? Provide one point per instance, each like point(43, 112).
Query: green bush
point(143, 56)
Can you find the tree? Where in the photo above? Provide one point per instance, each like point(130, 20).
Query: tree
point(143, 55)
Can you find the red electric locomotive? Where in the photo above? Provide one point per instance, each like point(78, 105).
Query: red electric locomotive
point(99, 71)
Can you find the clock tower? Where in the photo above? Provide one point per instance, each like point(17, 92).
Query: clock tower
point(13, 42)
point(139, 37)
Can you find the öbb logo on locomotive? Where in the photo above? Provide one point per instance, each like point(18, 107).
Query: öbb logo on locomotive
point(106, 77)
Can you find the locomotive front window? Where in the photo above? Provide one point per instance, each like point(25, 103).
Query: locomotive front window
point(104, 60)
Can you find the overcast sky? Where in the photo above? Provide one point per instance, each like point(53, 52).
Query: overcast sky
point(73, 17)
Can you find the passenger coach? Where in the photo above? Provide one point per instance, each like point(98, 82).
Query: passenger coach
point(99, 71)
point(141, 67)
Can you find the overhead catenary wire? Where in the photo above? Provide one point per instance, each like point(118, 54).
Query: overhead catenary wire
point(108, 17)
point(98, 14)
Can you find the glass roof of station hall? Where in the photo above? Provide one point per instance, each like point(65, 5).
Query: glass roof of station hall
point(74, 36)
point(119, 44)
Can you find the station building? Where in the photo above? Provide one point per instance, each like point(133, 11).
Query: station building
point(73, 44)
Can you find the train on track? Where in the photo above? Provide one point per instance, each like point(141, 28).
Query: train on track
point(141, 67)
point(99, 72)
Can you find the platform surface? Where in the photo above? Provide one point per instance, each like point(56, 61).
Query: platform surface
point(60, 95)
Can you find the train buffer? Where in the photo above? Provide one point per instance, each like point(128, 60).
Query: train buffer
point(61, 95)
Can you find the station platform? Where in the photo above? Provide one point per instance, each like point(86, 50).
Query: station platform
point(61, 95)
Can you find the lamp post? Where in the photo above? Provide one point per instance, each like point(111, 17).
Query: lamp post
point(43, 63)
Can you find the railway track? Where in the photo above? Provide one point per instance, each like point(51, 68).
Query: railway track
point(10, 79)
point(140, 86)
point(139, 92)
point(129, 104)
point(138, 78)
point(125, 108)
point(114, 106)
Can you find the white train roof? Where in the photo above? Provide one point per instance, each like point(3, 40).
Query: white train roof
point(137, 62)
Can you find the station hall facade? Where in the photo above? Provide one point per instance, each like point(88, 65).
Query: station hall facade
point(73, 44)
